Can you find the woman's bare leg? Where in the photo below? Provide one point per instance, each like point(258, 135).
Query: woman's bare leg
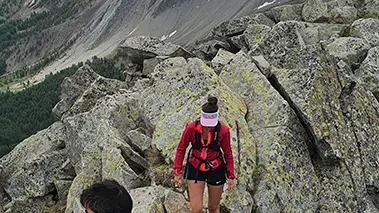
point(196, 192)
point(214, 198)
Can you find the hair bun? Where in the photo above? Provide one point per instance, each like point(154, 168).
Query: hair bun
point(212, 100)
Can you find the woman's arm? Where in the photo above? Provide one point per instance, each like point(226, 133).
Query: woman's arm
point(181, 149)
point(228, 155)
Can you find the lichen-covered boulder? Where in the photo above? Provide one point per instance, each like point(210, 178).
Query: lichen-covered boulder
point(327, 31)
point(367, 8)
point(283, 36)
point(81, 91)
point(343, 15)
point(208, 49)
point(72, 88)
point(261, 18)
point(285, 45)
point(33, 205)
point(106, 139)
point(138, 140)
point(367, 29)
point(222, 58)
point(324, 115)
point(315, 11)
point(286, 13)
point(99, 88)
point(254, 34)
point(157, 199)
point(376, 94)
point(239, 41)
point(97, 149)
point(280, 140)
point(351, 50)
point(139, 48)
point(30, 169)
point(233, 27)
point(149, 64)
point(340, 3)
point(369, 70)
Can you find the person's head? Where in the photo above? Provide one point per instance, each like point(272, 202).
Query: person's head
point(209, 113)
point(106, 197)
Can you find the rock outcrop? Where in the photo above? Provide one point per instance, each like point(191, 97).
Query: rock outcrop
point(34, 173)
point(296, 85)
point(143, 47)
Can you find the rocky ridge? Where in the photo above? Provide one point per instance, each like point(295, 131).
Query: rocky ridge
point(296, 86)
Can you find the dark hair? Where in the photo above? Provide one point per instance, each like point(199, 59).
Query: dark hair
point(211, 105)
point(107, 197)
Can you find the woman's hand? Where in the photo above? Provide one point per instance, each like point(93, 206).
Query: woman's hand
point(178, 180)
point(231, 185)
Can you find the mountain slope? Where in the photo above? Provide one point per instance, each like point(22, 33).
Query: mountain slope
point(97, 27)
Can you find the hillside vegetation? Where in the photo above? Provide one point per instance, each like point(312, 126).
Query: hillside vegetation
point(29, 111)
point(43, 15)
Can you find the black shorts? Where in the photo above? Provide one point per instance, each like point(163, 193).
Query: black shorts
point(216, 177)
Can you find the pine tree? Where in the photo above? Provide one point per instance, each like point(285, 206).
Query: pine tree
point(3, 66)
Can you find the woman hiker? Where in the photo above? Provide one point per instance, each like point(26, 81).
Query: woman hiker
point(205, 162)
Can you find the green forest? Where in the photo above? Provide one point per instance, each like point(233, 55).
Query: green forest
point(25, 113)
point(11, 32)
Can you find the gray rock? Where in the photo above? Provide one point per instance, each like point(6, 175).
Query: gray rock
point(237, 201)
point(132, 71)
point(62, 187)
point(369, 70)
point(366, 29)
point(44, 142)
point(35, 205)
point(239, 41)
point(351, 50)
point(97, 149)
point(208, 49)
point(148, 199)
point(339, 169)
point(176, 202)
point(343, 15)
point(134, 159)
point(376, 94)
point(116, 167)
point(368, 8)
point(261, 18)
point(158, 199)
point(315, 11)
point(339, 3)
point(280, 138)
point(88, 98)
point(36, 177)
point(29, 169)
point(73, 87)
point(149, 64)
point(285, 13)
point(262, 64)
point(139, 141)
point(140, 48)
point(285, 45)
point(233, 27)
point(254, 33)
point(222, 58)
point(326, 31)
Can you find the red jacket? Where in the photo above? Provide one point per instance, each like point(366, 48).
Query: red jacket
point(189, 136)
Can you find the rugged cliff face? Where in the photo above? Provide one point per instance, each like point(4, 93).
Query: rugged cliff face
point(296, 86)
